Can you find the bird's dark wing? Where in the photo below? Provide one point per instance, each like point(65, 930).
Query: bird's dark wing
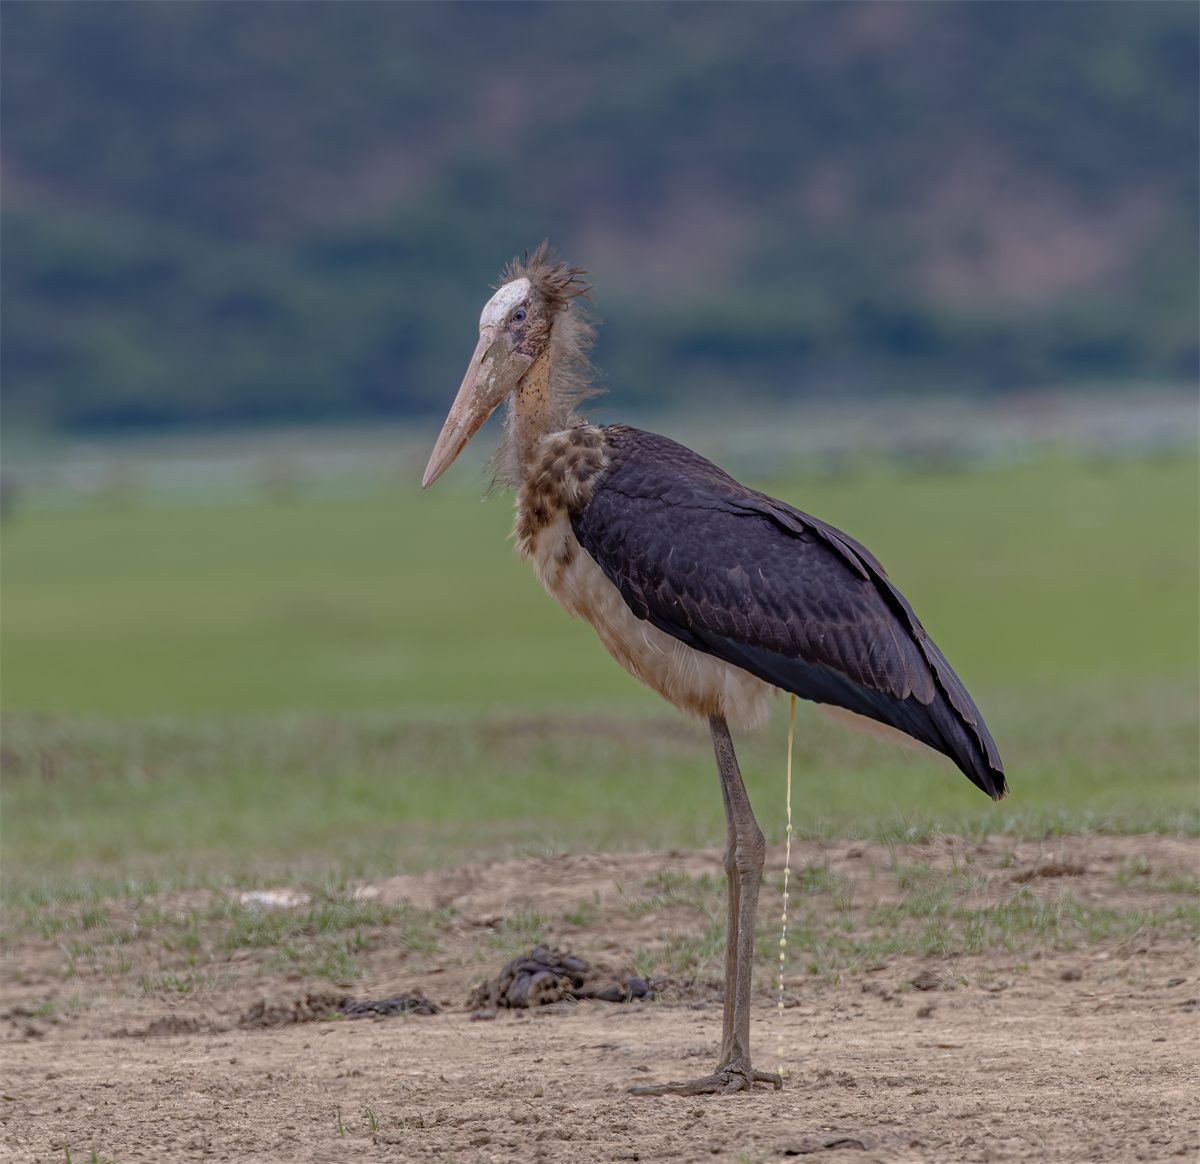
point(739, 575)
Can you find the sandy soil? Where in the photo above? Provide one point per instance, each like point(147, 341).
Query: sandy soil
point(1080, 1051)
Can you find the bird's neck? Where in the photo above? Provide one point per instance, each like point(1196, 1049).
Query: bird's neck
point(531, 412)
point(547, 398)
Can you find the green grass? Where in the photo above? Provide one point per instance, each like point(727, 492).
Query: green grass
point(100, 804)
point(323, 937)
point(939, 914)
point(1030, 577)
point(93, 1157)
point(227, 695)
point(838, 924)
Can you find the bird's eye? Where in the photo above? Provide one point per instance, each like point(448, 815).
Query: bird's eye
point(518, 316)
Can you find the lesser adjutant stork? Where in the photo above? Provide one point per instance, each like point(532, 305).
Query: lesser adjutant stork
point(713, 594)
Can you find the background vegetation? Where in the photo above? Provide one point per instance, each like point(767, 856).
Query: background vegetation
point(221, 213)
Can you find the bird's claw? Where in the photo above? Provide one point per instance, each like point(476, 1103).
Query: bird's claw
point(723, 1081)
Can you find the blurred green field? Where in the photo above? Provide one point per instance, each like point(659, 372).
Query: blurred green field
point(1031, 577)
point(373, 684)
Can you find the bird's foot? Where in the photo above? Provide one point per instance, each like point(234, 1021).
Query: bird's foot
point(726, 1080)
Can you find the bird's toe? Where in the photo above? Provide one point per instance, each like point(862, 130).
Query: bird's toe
point(727, 1080)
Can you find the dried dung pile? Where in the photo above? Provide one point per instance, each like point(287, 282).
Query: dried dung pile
point(545, 976)
point(320, 1007)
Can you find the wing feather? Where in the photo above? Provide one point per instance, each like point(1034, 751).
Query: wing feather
point(747, 578)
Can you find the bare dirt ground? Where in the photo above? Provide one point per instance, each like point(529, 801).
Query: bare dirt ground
point(955, 1000)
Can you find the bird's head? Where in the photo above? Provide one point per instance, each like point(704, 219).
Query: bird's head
point(515, 329)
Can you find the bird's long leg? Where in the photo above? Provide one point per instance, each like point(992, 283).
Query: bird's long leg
point(745, 856)
point(749, 856)
point(733, 897)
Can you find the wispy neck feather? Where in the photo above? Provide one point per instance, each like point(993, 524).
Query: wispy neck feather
point(569, 384)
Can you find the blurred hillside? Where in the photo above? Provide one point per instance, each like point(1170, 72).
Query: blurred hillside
point(220, 213)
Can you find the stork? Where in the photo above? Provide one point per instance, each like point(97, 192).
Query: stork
point(711, 593)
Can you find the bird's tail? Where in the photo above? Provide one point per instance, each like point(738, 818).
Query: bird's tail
point(959, 723)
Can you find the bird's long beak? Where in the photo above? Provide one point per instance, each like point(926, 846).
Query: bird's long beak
point(493, 373)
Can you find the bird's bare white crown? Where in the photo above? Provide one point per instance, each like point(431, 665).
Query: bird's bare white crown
point(497, 309)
